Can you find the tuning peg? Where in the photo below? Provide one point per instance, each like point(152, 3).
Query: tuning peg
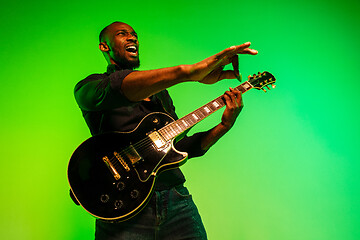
point(267, 87)
point(273, 85)
point(249, 77)
point(263, 90)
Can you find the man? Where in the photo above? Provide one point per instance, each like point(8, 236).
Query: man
point(120, 98)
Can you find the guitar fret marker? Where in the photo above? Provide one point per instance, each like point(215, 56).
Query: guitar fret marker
point(216, 104)
point(194, 115)
point(246, 85)
point(183, 121)
point(207, 109)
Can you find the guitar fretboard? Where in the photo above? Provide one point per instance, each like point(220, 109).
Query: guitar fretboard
point(177, 127)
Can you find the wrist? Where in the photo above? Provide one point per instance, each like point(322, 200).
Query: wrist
point(185, 72)
point(225, 126)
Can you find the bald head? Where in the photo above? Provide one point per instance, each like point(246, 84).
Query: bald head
point(103, 32)
point(119, 43)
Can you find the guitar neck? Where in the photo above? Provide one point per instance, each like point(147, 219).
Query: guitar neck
point(179, 126)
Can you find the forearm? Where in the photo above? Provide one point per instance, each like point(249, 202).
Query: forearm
point(213, 135)
point(139, 85)
point(234, 105)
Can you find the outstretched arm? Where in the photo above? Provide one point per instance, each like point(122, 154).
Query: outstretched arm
point(142, 84)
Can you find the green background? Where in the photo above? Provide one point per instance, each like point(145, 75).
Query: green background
point(289, 168)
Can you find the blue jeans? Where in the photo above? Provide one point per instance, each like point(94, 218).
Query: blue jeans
point(169, 215)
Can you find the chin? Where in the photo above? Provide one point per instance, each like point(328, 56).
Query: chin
point(126, 64)
point(136, 64)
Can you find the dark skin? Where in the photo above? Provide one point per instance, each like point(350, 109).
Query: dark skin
point(120, 46)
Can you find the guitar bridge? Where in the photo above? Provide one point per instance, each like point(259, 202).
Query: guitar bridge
point(157, 140)
point(111, 168)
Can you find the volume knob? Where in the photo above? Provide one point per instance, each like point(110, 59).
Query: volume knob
point(118, 204)
point(120, 186)
point(134, 193)
point(104, 198)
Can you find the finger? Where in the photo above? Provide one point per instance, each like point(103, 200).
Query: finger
point(239, 99)
point(248, 51)
point(235, 64)
point(225, 52)
point(244, 49)
point(232, 50)
point(227, 99)
point(228, 74)
point(232, 97)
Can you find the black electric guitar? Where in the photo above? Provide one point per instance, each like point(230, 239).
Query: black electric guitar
point(112, 175)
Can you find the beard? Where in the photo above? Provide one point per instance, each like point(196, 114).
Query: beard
point(124, 63)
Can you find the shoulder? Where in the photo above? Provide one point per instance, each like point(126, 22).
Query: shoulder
point(90, 78)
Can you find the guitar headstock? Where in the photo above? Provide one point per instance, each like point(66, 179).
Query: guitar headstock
point(262, 80)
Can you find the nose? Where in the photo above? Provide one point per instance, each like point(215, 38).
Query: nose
point(132, 38)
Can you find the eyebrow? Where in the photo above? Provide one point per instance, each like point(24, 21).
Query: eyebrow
point(124, 30)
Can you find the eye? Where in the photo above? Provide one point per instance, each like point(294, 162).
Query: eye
point(121, 33)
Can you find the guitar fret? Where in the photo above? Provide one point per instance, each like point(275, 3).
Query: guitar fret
point(202, 113)
point(177, 130)
point(171, 128)
point(245, 86)
point(165, 134)
point(212, 107)
point(178, 127)
point(189, 119)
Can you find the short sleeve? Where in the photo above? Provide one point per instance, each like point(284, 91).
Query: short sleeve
point(102, 91)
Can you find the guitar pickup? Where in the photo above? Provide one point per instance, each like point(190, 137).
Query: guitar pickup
point(157, 140)
point(122, 161)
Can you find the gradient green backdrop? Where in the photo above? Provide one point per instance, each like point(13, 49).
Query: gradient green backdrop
point(288, 170)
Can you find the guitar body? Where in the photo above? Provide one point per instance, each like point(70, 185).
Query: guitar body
point(112, 175)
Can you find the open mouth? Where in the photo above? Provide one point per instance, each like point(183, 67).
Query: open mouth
point(132, 49)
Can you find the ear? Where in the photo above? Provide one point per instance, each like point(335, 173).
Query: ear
point(104, 47)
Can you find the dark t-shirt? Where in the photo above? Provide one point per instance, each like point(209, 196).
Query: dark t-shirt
point(105, 108)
